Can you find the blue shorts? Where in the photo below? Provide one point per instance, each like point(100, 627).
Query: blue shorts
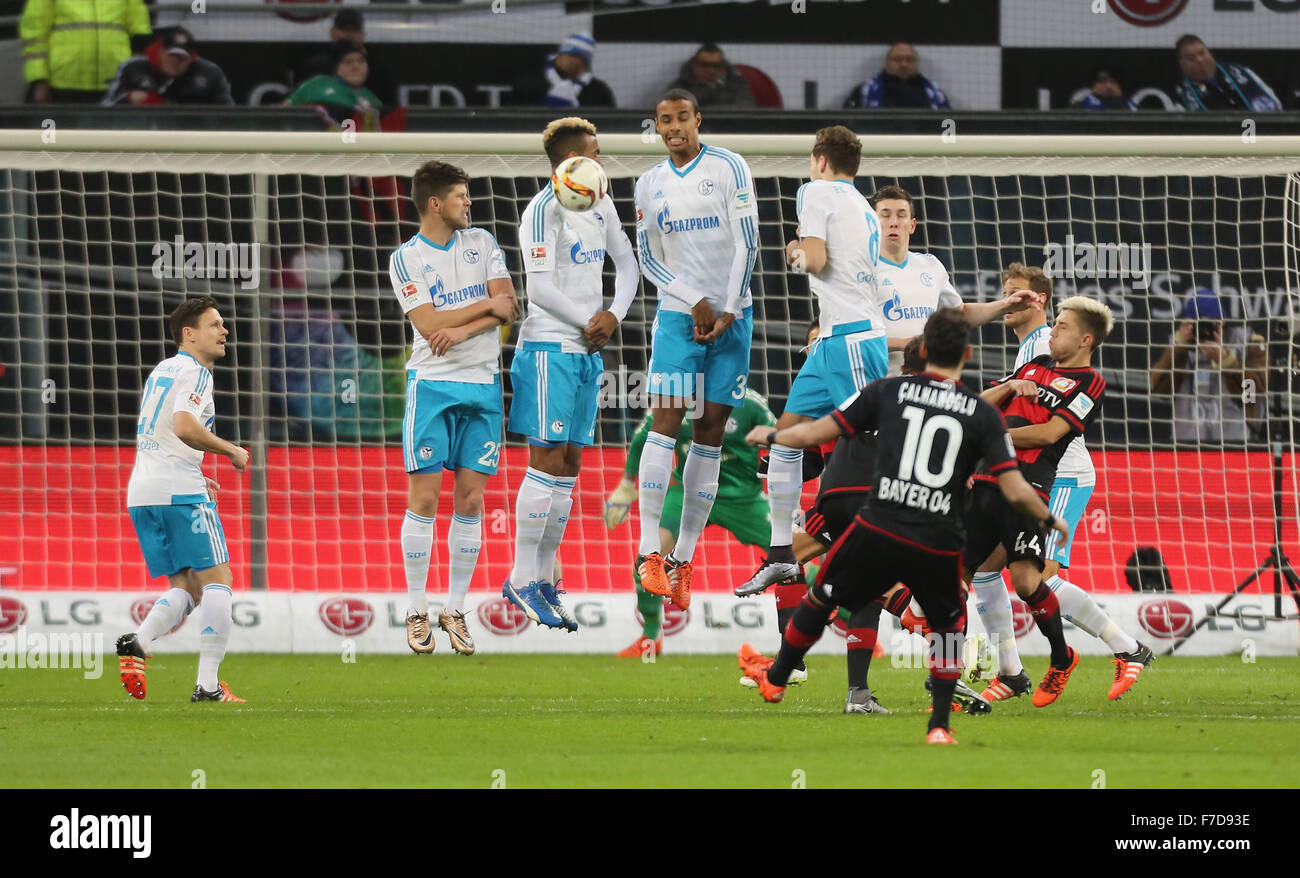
point(676, 358)
point(451, 424)
point(555, 394)
point(838, 366)
point(1067, 502)
point(173, 538)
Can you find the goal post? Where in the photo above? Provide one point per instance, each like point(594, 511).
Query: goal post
point(291, 232)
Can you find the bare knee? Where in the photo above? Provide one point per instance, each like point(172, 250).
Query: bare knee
point(422, 493)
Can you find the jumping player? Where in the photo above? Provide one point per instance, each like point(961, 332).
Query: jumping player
point(173, 505)
point(556, 368)
point(452, 282)
point(697, 238)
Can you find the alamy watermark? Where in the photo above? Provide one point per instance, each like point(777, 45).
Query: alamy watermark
point(84, 652)
point(189, 259)
point(1089, 260)
point(639, 391)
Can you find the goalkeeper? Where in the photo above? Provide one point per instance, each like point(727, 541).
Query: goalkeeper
point(741, 506)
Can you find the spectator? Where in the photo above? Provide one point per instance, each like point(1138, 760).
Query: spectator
point(900, 84)
point(169, 72)
point(71, 48)
point(1106, 94)
point(349, 26)
point(1208, 378)
point(565, 80)
point(713, 81)
point(1208, 85)
point(342, 94)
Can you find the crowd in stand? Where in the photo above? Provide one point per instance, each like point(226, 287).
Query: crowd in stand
point(79, 51)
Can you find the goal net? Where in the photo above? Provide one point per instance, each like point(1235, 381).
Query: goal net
point(105, 232)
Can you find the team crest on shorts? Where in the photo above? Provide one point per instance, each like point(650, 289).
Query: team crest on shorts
point(557, 426)
point(426, 452)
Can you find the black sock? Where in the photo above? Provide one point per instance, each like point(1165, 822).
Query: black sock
point(805, 629)
point(863, 624)
point(898, 601)
point(781, 554)
point(1046, 611)
point(941, 695)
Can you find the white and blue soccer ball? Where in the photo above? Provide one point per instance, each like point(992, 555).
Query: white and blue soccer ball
point(579, 183)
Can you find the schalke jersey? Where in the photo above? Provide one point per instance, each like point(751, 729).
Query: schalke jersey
point(699, 225)
point(1072, 394)
point(166, 470)
point(450, 278)
point(910, 292)
point(932, 434)
point(1076, 462)
point(846, 289)
point(571, 244)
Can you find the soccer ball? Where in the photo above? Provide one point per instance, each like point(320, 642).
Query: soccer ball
point(979, 660)
point(579, 183)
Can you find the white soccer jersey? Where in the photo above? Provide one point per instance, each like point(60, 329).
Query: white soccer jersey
point(846, 289)
point(1076, 462)
point(909, 294)
point(166, 470)
point(450, 278)
point(697, 231)
point(564, 256)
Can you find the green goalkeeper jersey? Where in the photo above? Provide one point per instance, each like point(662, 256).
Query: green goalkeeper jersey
point(738, 479)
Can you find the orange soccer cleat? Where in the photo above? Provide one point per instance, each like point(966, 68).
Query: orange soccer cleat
point(1054, 681)
point(131, 662)
point(1127, 668)
point(755, 665)
point(654, 577)
point(642, 647)
point(680, 574)
point(940, 736)
point(221, 693)
point(911, 622)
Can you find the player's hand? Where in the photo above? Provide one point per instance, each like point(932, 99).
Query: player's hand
point(1018, 301)
point(1186, 332)
point(794, 255)
point(758, 436)
point(600, 329)
point(504, 308)
point(704, 318)
point(446, 338)
point(719, 326)
point(213, 487)
point(239, 459)
point(1063, 529)
point(619, 503)
point(1023, 387)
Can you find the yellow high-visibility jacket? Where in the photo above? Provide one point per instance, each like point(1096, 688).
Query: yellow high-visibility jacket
point(79, 44)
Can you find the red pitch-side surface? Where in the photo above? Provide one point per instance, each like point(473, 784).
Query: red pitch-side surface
point(335, 517)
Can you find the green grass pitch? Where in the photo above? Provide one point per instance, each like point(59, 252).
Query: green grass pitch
point(594, 721)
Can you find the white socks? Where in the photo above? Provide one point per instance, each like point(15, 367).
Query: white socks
point(784, 485)
point(166, 612)
point(699, 490)
point(532, 512)
point(464, 539)
point(994, 605)
point(417, 544)
point(1079, 607)
point(652, 480)
point(215, 622)
point(561, 504)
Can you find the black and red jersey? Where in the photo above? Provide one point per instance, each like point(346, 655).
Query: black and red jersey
point(931, 434)
point(1072, 394)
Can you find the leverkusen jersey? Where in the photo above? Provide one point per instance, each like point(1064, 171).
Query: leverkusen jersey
point(1075, 463)
point(738, 478)
point(1072, 394)
point(932, 432)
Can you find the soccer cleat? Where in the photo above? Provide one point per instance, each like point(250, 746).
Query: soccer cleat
point(911, 622)
point(797, 676)
point(222, 693)
point(654, 577)
point(755, 666)
point(642, 647)
point(965, 699)
point(862, 701)
point(940, 736)
point(680, 574)
point(530, 600)
point(551, 594)
point(457, 631)
point(1005, 686)
point(419, 636)
point(131, 661)
point(1127, 667)
point(769, 573)
point(1054, 681)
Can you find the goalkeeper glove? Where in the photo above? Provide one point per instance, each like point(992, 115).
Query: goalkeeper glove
point(619, 503)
